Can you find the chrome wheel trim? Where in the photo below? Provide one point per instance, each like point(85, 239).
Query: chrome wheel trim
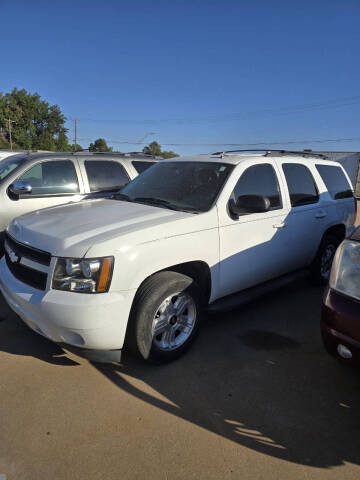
point(174, 321)
point(326, 261)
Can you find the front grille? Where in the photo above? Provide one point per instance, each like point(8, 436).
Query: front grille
point(25, 274)
point(22, 250)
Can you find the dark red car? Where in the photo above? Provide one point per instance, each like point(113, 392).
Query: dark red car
point(340, 322)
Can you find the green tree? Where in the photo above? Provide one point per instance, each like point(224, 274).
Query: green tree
point(154, 148)
point(37, 124)
point(99, 145)
point(168, 154)
point(62, 143)
point(76, 147)
point(3, 142)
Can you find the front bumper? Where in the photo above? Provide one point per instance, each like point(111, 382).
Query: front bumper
point(88, 322)
point(340, 324)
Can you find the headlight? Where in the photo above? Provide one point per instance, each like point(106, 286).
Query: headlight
point(345, 272)
point(91, 275)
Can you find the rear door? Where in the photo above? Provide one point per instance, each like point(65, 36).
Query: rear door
point(307, 218)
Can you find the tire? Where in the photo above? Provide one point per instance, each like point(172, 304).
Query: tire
point(171, 303)
point(321, 266)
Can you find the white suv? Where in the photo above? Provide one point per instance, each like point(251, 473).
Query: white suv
point(181, 236)
point(32, 181)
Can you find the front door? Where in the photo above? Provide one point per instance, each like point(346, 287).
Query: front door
point(53, 182)
point(254, 247)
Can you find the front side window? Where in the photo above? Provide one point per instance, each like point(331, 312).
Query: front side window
point(259, 180)
point(51, 178)
point(335, 181)
point(105, 175)
point(188, 186)
point(301, 184)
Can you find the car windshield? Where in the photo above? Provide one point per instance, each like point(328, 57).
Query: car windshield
point(187, 186)
point(10, 164)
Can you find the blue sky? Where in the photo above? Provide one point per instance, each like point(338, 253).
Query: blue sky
point(194, 72)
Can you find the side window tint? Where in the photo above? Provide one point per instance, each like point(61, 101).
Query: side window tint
point(335, 181)
point(301, 184)
point(142, 166)
point(51, 178)
point(260, 180)
point(105, 175)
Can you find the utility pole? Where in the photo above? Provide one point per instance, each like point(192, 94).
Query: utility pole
point(10, 122)
point(75, 120)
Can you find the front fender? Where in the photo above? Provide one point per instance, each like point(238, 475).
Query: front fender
point(133, 264)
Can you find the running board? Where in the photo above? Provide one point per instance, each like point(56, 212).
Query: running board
point(245, 296)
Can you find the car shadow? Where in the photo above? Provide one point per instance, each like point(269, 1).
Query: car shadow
point(257, 376)
point(17, 339)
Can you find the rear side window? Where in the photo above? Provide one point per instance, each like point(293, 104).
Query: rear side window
point(52, 178)
point(105, 175)
point(259, 180)
point(301, 184)
point(142, 166)
point(335, 181)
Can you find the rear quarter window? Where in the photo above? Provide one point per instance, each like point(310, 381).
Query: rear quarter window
point(335, 181)
point(142, 166)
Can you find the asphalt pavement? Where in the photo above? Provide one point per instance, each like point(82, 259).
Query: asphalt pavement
point(257, 397)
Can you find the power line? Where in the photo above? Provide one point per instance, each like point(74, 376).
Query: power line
point(288, 142)
point(289, 110)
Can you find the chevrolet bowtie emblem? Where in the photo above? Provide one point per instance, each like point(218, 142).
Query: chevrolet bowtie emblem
point(13, 257)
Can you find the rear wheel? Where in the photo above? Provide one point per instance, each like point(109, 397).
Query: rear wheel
point(321, 266)
point(165, 317)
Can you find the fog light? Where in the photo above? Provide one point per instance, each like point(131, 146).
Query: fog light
point(343, 351)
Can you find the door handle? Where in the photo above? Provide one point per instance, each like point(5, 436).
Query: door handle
point(279, 225)
point(320, 215)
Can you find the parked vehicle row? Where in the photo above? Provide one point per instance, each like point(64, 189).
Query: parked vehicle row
point(137, 268)
point(34, 181)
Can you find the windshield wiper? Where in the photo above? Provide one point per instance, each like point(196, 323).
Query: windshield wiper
point(156, 201)
point(122, 196)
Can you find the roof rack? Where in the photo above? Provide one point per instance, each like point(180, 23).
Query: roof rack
point(118, 154)
point(269, 151)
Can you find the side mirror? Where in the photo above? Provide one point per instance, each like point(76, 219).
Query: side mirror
point(20, 188)
point(246, 204)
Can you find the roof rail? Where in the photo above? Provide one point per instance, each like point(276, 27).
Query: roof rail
point(118, 154)
point(269, 151)
point(224, 152)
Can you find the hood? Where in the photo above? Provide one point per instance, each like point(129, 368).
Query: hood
point(70, 230)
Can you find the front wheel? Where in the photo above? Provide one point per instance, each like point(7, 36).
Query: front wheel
point(165, 317)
